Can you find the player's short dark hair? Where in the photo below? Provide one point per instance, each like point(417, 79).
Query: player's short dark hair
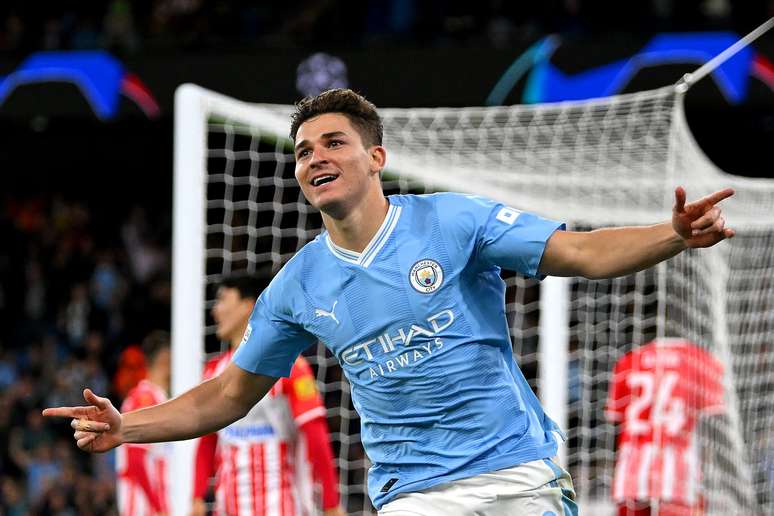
point(155, 341)
point(360, 112)
point(248, 285)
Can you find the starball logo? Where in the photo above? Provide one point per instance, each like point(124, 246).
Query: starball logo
point(413, 343)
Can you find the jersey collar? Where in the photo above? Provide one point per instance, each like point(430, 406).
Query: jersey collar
point(365, 258)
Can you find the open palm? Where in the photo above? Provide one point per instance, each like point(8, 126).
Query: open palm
point(97, 425)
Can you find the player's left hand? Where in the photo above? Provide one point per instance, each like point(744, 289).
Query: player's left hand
point(700, 223)
point(335, 511)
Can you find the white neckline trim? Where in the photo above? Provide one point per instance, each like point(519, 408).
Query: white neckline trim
point(374, 246)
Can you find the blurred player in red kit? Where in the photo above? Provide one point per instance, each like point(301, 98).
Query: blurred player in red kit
point(658, 392)
point(142, 468)
point(269, 461)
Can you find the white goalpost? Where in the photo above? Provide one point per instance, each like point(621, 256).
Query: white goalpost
point(612, 161)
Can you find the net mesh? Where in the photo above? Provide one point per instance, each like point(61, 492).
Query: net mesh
point(610, 161)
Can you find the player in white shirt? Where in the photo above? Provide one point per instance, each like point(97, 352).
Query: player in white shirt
point(269, 462)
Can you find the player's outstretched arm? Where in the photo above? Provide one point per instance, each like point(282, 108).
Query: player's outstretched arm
point(206, 408)
point(612, 252)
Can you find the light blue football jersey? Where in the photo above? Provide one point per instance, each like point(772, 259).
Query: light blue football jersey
point(417, 322)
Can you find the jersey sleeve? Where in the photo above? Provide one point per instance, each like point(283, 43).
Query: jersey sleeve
point(204, 463)
point(303, 396)
point(274, 337)
point(321, 458)
point(495, 234)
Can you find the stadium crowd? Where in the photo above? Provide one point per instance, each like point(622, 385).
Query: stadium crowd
point(193, 25)
point(75, 300)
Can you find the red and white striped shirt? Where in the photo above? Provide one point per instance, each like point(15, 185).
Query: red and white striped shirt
point(142, 482)
point(260, 464)
point(657, 393)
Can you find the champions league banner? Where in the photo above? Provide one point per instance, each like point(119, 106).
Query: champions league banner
point(731, 112)
point(548, 70)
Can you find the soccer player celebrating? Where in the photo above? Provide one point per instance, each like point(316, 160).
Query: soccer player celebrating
point(406, 292)
point(261, 463)
point(142, 484)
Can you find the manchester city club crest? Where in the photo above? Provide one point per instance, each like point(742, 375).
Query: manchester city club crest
point(426, 276)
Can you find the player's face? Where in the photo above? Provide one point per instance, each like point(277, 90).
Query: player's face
point(333, 167)
point(231, 313)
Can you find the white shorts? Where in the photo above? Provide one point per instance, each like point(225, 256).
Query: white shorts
point(539, 488)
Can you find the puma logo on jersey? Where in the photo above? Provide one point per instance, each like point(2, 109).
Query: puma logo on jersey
point(319, 312)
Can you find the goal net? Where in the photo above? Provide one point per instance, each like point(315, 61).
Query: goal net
point(612, 161)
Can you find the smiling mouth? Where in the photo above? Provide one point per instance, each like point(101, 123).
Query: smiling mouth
point(321, 180)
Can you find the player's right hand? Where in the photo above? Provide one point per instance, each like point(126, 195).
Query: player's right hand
point(97, 426)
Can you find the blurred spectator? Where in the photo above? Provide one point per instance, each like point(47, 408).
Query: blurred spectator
point(12, 501)
point(145, 258)
point(35, 298)
point(7, 370)
point(127, 27)
point(25, 441)
point(65, 389)
point(13, 33)
point(80, 304)
point(106, 282)
point(52, 34)
point(6, 462)
point(86, 35)
point(94, 374)
point(76, 315)
point(119, 27)
point(43, 470)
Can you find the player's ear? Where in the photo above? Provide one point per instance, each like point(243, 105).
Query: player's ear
point(378, 155)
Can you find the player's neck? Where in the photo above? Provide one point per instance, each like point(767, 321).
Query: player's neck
point(355, 230)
